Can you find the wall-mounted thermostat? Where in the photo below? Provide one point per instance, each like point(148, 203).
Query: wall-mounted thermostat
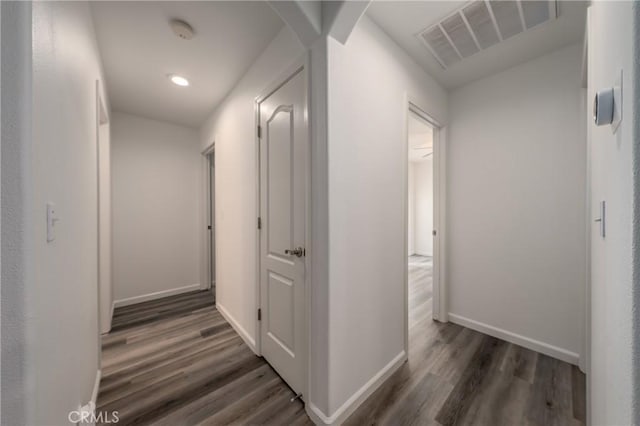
point(603, 107)
point(607, 105)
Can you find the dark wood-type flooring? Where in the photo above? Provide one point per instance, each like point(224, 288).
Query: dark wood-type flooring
point(456, 376)
point(176, 361)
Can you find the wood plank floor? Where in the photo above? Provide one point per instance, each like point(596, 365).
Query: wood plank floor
point(176, 361)
point(456, 376)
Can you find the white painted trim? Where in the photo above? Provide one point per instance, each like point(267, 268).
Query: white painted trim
point(440, 224)
point(92, 403)
point(250, 341)
point(96, 388)
point(113, 308)
point(358, 397)
point(439, 298)
point(157, 295)
point(207, 277)
point(405, 218)
point(585, 356)
point(527, 342)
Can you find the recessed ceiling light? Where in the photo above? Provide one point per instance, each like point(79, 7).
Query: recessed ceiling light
point(179, 80)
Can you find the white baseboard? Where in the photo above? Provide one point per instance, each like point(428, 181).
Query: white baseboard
point(250, 341)
point(361, 395)
point(96, 388)
point(88, 409)
point(534, 345)
point(157, 295)
point(108, 329)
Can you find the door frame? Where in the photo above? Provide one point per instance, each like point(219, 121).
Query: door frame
point(300, 65)
point(207, 273)
point(102, 119)
point(439, 298)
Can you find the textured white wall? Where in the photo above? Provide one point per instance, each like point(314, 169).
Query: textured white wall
point(16, 83)
point(516, 215)
point(157, 207)
point(232, 127)
point(615, 360)
point(62, 288)
point(369, 79)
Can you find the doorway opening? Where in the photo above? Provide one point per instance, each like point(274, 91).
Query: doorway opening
point(424, 166)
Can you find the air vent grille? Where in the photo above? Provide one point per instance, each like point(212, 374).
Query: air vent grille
point(535, 12)
point(481, 24)
point(480, 20)
point(508, 17)
point(437, 41)
point(460, 35)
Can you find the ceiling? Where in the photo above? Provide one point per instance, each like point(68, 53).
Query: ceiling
point(139, 50)
point(420, 139)
point(402, 20)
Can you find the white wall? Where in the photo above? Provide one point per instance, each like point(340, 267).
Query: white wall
point(232, 127)
point(423, 184)
point(516, 191)
point(157, 207)
point(615, 303)
point(411, 210)
point(61, 286)
point(369, 79)
point(16, 84)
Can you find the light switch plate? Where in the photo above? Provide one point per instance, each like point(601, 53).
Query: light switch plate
point(617, 103)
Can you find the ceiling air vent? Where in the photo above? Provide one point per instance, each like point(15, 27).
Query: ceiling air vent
point(481, 24)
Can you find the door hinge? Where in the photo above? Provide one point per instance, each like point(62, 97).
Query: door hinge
point(259, 314)
point(259, 132)
point(434, 232)
point(259, 223)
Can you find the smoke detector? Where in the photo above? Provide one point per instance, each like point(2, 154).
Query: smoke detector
point(182, 29)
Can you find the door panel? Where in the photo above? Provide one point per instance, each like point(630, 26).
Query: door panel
point(283, 173)
point(278, 144)
point(280, 316)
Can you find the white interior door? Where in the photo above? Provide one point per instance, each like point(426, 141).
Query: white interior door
point(283, 151)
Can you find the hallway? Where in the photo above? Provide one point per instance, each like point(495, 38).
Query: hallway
point(176, 361)
point(456, 376)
